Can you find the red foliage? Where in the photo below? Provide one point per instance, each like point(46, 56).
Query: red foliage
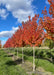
point(48, 22)
point(51, 9)
point(30, 33)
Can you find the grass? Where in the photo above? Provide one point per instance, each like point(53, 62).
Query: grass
point(9, 67)
point(45, 64)
point(43, 53)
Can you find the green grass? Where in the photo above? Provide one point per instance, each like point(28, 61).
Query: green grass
point(43, 53)
point(45, 64)
point(9, 67)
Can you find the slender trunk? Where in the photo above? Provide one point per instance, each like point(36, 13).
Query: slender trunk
point(51, 56)
point(9, 50)
point(33, 59)
point(22, 56)
point(14, 54)
point(37, 62)
point(17, 53)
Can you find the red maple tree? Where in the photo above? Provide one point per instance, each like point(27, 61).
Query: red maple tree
point(48, 22)
point(33, 33)
point(29, 33)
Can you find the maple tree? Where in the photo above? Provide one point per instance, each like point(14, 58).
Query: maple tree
point(33, 34)
point(8, 43)
point(48, 21)
point(0, 45)
point(16, 40)
point(30, 33)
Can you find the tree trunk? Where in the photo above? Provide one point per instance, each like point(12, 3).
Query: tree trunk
point(17, 53)
point(33, 59)
point(22, 56)
point(14, 54)
point(51, 56)
point(9, 51)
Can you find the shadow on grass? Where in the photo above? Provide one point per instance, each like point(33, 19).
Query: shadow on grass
point(41, 55)
point(16, 62)
point(8, 55)
point(50, 60)
point(9, 63)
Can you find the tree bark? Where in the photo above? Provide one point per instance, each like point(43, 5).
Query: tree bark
point(22, 56)
point(51, 56)
point(9, 50)
point(17, 52)
point(14, 54)
point(33, 59)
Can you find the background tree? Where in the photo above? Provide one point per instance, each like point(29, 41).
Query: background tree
point(48, 24)
point(48, 21)
point(0, 44)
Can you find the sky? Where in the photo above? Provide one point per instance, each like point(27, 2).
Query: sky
point(13, 12)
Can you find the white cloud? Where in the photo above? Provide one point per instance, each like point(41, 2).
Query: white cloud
point(8, 33)
point(3, 42)
point(47, 2)
point(3, 13)
point(20, 9)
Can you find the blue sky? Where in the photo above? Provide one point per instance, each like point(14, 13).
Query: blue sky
point(13, 12)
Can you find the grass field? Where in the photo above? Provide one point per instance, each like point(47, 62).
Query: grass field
point(43, 61)
point(9, 67)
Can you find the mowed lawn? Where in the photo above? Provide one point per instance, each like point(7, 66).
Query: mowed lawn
point(9, 67)
point(40, 62)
